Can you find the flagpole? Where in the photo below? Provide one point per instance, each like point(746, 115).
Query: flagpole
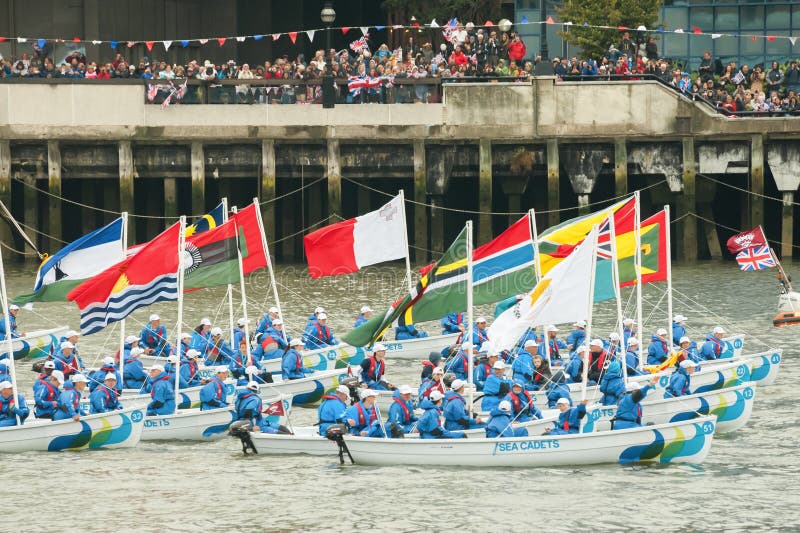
point(122, 322)
point(269, 266)
point(585, 376)
point(230, 285)
point(787, 285)
point(246, 363)
point(669, 278)
point(470, 363)
point(535, 234)
point(9, 345)
point(181, 248)
point(617, 296)
point(405, 240)
point(637, 262)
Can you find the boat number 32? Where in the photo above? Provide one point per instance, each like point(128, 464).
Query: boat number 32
point(136, 416)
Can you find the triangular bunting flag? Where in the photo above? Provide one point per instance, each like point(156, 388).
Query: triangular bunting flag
point(678, 31)
point(364, 30)
point(149, 45)
point(131, 43)
point(113, 44)
point(166, 44)
point(41, 42)
point(276, 36)
point(257, 37)
point(184, 44)
point(202, 41)
point(659, 30)
point(310, 34)
point(221, 40)
point(568, 24)
point(716, 35)
point(293, 36)
point(345, 30)
point(549, 20)
point(696, 30)
point(2, 39)
point(433, 24)
point(641, 28)
point(754, 38)
point(792, 40)
point(524, 20)
point(76, 39)
point(488, 24)
point(770, 38)
point(241, 39)
point(96, 42)
point(585, 24)
point(379, 28)
point(22, 40)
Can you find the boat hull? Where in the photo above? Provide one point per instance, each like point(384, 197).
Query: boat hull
point(764, 365)
point(36, 344)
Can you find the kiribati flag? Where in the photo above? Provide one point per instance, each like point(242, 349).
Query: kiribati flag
point(756, 258)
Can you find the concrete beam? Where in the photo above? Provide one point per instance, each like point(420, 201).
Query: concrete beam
point(620, 166)
point(689, 202)
point(583, 204)
point(784, 161)
point(170, 201)
point(437, 223)
point(5, 189)
point(88, 216)
point(420, 197)
point(334, 175)
point(126, 186)
point(583, 163)
point(54, 201)
point(553, 199)
point(485, 191)
point(787, 225)
point(198, 179)
point(268, 176)
point(757, 180)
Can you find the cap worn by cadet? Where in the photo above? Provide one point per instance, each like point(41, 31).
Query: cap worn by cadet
point(322, 316)
point(79, 378)
point(499, 365)
point(562, 401)
point(661, 331)
point(154, 317)
point(66, 344)
point(295, 342)
point(436, 396)
point(457, 384)
point(205, 322)
point(216, 331)
point(406, 389)
point(505, 406)
point(130, 339)
point(596, 342)
point(688, 363)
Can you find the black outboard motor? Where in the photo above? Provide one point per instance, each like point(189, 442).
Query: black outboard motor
point(241, 430)
point(336, 433)
point(352, 383)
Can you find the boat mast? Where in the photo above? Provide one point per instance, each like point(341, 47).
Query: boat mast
point(269, 266)
point(637, 263)
point(181, 249)
point(537, 269)
point(585, 376)
point(246, 362)
point(617, 296)
point(669, 278)
point(405, 240)
point(122, 322)
point(9, 345)
point(230, 285)
point(468, 329)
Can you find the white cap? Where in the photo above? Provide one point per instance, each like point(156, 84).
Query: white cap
point(438, 370)
point(136, 351)
point(661, 331)
point(191, 353)
point(186, 335)
point(466, 345)
point(679, 318)
point(295, 342)
point(322, 316)
point(688, 363)
point(614, 336)
point(582, 348)
point(154, 317)
point(633, 385)
point(366, 393)
point(407, 389)
point(108, 361)
point(436, 396)
point(49, 364)
point(173, 358)
point(131, 339)
point(205, 322)
point(216, 331)
point(110, 375)
point(551, 328)
point(505, 406)
point(319, 310)
point(253, 386)
point(628, 322)
point(596, 342)
point(58, 374)
point(66, 344)
point(277, 322)
point(562, 400)
point(580, 324)
point(252, 369)
point(6, 385)
point(79, 378)
point(457, 384)
point(343, 389)
point(221, 369)
point(72, 333)
point(273, 309)
point(242, 322)
point(530, 344)
point(13, 307)
point(480, 319)
point(718, 329)
point(684, 339)
point(366, 309)
point(158, 367)
point(378, 347)
point(633, 341)
point(499, 365)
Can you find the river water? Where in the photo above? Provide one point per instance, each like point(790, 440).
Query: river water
point(749, 481)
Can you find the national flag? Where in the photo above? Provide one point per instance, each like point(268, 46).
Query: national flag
point(562, 295)
point(359, 45)
point(251, 242)
point(149, 276)
point(275, 409)
point(347, 246)
point(76, 262)
point(356, 84)
point(210, 258)
point(152, 91)
point(449, 31)
point(738, 78)
point(747, 239)
point(210, 220)
point(755, 258)
point(653, 243)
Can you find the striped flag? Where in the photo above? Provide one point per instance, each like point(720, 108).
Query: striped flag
point(755, 258)
point(359, 45)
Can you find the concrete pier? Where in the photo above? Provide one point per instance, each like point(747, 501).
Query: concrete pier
point(126, 186)
point(54, 188)
point(334, 175)
point(267, 192)
point(485, 233)
point(688, 202)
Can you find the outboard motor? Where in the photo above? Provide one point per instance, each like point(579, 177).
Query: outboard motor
point(336, 433)
point(241, 430)
point(352, 383)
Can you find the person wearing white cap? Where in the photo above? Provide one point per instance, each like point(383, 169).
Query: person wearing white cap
point(363, 316)
point(162, 392)
point(598, 360)
point(248, 405)
point(459, 363)
point(569, 418)
point(105, 397)
point(362, 417)
point(495, 387)
point(189, 370)
point(267, 321)
point(201, 337)
point(292, 362)
point(11, 409)
point(688, 350)
point(169, 367)
point(373, 368)
point(184, 344)
point(214, 394)
point(318, 334)
point(612, 384)
point(272, 342)
point(13, 311)
point(632, 358)
point(429, 425)
point(154, 338)
point(99, 375)
point(44, 375)
point(456, 414)
point(131, 342)
point(628, 329)
point(480, 333)
point(613, 345)
point(68, 361)
point(680, 380)
point(69, 401)
point(239, 336)
point(555, 345)
point(678, 330)
point(134, 376)
point(313, 317)
point(435, 382)
point(46, 395)
point(406, 332)
point(522, 407)
point(522, 367)
point(714, 345)
point(331, 410)
point(629, 409)
point(659, 348)
point(453, 323)
point(402, 419)
point(577, 336)
point(500, 422)
point(484, 368)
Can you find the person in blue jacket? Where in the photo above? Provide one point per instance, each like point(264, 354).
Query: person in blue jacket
point(184, 345)
point(105, 398)
point(659, 349)
point(47, 371)
point(134, 374)
point(364, 316)
point(292, 363)
point(267, 320)
point(495, 387)
point(319, 334)
point(556, 390)
point(453, 323)
point(714, 345)
point(632, 358)
point(218, 351)
point(433, 383)
point(314, 317)
point(68, 361)
point(576, 336)
point(189, 371)
point(169, 368)
point(362, 417)
point(484, 369)
point(240, 336)
point(569, 420)
point(201, 337)
point(434, 358)
point(688, 350)
point(459, 363)
point(271, 344)
point(628, 330)
point(331, 410)
point(629, 410)
point(131, 342)
point(500, 423)
point(612, 346)
point(429, 425)
point(13, 311)
point(574, 369)
point(46, 396)
point(162, 392)
point(9, 409)
point(154, 338)
point(557, 347)
point(479, 332)
point(373, 369)
point(408, 331)
point(612, 385)
point(402, 419)
point(522, 367)
point(69, 401)
point(678, 328)
point(680, 380)
point(456, 414)
point(248, 404)
point(97, 377)
point(522, 407)
point(213, 394)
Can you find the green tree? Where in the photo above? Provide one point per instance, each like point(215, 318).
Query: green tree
point(594, 42)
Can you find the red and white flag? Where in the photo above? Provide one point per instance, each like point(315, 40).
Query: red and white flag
point(275, 408)
point(748, 239)
point(346, 247)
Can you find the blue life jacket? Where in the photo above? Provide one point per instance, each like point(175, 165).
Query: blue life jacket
point(522, 407)
point(679, 384)
point(103, 400)
point(658, 351)
point(213, 395)
point(292, 366)
point(248, 407)
point(10, 410)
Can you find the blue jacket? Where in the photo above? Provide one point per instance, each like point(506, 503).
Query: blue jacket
point(9, 411)
point(134, 374)
point(529, 335)
point(679, 384)
point(12, 321)
point(627, 333)
point(401, 414)
point(632, 361)
point(493, 390)
point(451, 322)
point(500, 426)
point(155, 339)
point(365, 420)
point(612, 385)
point(523, 366)
point(271, 345)
point(221, 354)
point(428, 386)
point(69, 364)
point(264, 324)
point(46, 399)
point(429, 426)
point(678, 331)
point(330, 412)
point(575, 338)
point(557, 349)
point(318, 336)
point(360, 320)
point(555, 392)
point(248, 407)
point(456, 414)
point(481, 371)
point(569, 421)
point(479, 336)
point(712, 348)
point(629, 411)
point(402, 333)
point(103, 400)
point(574, 369)
point(292, 366)
point(189, 376)
point(658, 351)
point(162, 392)
point(458, 365)
point(213, 395)
point(693, 355)
point(239, 338)
point(99, 376)
point(69, 403)
point(522, 407)
point(201, 342)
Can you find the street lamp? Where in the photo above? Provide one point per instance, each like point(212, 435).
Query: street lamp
point(328, 15)
point(543, 35)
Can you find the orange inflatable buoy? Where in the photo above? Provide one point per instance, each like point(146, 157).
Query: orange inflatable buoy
point(786, 318)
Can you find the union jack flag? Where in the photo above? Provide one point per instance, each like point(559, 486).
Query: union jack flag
point(356, 84)
point(359, 45)
point(755, 258)
point(449, 31)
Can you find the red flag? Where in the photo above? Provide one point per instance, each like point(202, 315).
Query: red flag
point(250, 241)
point(345, 30)
point(76, 40)
point(754, 37)
point(748, 239)
point(149, 45)
point(275, 408)
point(488, 24)
point(770, 38)
point(695, 29)
point(622, 28)
point(549, 20)
point(2, 39)
point(293, 36)
point(221, 40)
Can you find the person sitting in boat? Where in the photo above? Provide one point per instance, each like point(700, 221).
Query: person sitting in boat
point(453, 323)
point(612, 345)
point(632, 358)
point(688, 350)
point(434, 383)
point(484, 368)
point(629, 410)
point(363, 316)
point(319, 334)
point(189, 376)
point(459, 363)
point(714, 345)
point(479, 332)
point(69, 401)
point(169, 367)
point(456, 414)
point(434, 358)
point(680, 380)
point(130, 342)
point(260, 423)
point(44, 376)
point(98, 376)
point(105, 398)
point(292, 362)
point(628, 329)
point(213, 394)
point(659, 348)
point(162, 392)
point(240, 342)
point(154, 338)
point(678, 328)
point(373, 368)
point(271, 344)
point(133, 374)
point(362, 417)
point(574, 369)
point(252, 373)
point(314, 317)
point(429, 425)
point(522, 367)
point(522, 407)
point(184, 345)
point(218, 352)
point(553, 344)
point(500, 423)
point(598, 360)
point(46, 396)
point(267, 321)
point(541, 373)
point(13, 311)
point(612, 385)
point(201, 336)
point(495, 387)
point(331, 410)
point(402, 419)
point(577, 336)
point(248, 404)
point(67, 361)
point(407, 332)
point(9, 409)
point(556, 390)
point(569, 418)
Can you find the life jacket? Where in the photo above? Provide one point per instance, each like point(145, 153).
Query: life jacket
point(51, 391)
point(243, 397)
point(192, 366)
point(435, 385)
point(111, 396)
point(219, 386)
point(76, 399)
point(331, 397)
point(554, 348)
point(153, 389)
point(599, 360)
point(362, 418)
point(517, 401)
point(373, 363)
point(298, 360)
point(327, 331)
point(404, 407)
point(70, 366)
point(487, 369)
point(717, 345)
point(482, 336)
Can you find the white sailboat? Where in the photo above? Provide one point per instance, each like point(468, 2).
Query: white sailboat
point(35, 344)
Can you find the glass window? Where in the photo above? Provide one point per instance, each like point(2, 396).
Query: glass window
point(751, 48)
point(752, 17)
point(727, 18)
point(796, 16)
point(675, 46)
point(703, 18)
point(677, 17)
point(780, 48)
point(726, 47)
point(778, 17)
point(698, 44)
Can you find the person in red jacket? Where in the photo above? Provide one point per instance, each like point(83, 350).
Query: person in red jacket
point(516, 50)
point(458, 57)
